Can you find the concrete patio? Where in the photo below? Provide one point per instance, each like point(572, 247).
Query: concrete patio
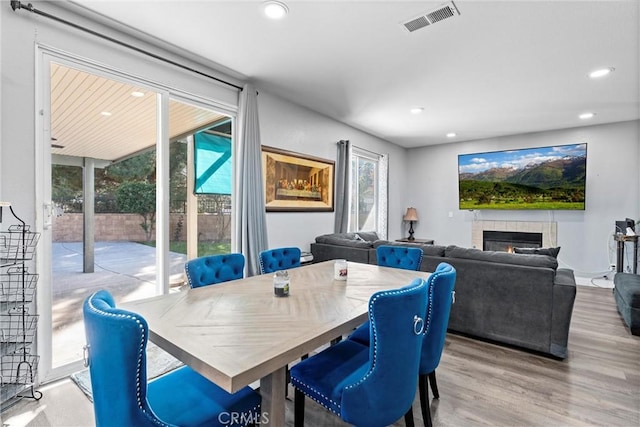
point(126, 269)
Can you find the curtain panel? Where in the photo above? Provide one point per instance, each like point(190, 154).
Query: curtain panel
point(251, 221)
point(341, 221)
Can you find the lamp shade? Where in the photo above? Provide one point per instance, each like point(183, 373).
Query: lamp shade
point(411, 215)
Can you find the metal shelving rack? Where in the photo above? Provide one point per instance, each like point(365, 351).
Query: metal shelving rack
point(18, 321)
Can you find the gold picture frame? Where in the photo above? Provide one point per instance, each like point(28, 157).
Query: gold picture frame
point(295, 182)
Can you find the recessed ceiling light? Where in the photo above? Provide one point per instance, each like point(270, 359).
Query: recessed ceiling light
point(601, 72)
point(451, 135)
point(106, 113)
point(416, 110)
point(137, 94)
point(275, 9)
point(585, 116)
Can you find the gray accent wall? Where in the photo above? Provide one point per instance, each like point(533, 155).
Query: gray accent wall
point(613, 192)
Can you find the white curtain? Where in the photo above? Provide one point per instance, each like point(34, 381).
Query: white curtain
point(251, 221)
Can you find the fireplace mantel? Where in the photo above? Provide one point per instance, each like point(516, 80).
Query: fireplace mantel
point(549, 230)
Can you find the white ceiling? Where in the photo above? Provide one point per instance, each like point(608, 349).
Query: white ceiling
point(500, 68)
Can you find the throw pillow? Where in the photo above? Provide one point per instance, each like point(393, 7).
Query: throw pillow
point(538, 251)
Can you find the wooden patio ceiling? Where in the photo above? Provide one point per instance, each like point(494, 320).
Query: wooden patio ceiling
point(104, 119)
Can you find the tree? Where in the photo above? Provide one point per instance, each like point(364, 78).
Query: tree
point(139, 198)
point(139, 168)
point(178, 170)
point(66, 181)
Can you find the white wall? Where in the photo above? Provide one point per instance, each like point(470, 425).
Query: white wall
point(295, 128)
point(613, 191)
point(1, 198)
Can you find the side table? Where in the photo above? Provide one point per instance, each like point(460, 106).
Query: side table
point(621, 239)
point(416, 241)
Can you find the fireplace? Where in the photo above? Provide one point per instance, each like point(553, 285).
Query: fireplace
point(549, 230)
point(505, 241)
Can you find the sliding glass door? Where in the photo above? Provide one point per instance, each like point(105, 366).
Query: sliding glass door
point(117, 197)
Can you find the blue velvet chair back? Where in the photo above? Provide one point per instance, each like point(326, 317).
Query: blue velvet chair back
point(117, 342)
point(399, 257)
point(279, 259)
point(212, 269)
point(389, 380)
point(441, 292)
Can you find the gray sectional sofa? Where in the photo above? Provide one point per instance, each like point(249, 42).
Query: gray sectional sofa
point(518, 299)
point(627, 296)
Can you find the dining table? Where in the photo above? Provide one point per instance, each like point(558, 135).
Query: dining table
point(238, 332)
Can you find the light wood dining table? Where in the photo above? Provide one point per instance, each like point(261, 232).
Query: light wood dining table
point(238, 332)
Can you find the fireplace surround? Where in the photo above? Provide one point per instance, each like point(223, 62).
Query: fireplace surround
point(549, 231)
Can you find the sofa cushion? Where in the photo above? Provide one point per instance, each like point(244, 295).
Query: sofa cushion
point(343, 239)
point(628, 286)
point(538, 251)
point(427, 250)
point(565, 277)
point(432, 250)
point(502, 257)
point(369, 236)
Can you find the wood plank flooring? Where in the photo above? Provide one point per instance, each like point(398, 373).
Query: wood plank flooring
point(480, 383)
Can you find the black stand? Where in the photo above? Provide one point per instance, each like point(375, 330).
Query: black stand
point(411, 231)
point(621, 239)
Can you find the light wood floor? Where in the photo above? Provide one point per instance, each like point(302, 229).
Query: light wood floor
point(480, 383)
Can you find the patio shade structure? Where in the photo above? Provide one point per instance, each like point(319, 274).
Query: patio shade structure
point(212, 164)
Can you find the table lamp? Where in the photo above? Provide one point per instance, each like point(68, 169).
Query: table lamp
point(411, 216)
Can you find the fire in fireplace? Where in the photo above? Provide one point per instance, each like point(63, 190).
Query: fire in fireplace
point(505, 241)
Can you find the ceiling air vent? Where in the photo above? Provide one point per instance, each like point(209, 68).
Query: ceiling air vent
point(445, 11)
point(416, 24)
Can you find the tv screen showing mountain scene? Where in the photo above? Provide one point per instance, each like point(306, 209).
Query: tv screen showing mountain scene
point(532, 178)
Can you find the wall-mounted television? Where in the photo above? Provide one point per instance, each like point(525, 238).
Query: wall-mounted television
point(546, 178)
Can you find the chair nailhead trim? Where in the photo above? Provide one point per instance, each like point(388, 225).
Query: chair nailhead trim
point(188, 274)
point(309, 388)
point(430, 302)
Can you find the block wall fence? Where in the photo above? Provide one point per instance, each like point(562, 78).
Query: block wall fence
point(110, 227)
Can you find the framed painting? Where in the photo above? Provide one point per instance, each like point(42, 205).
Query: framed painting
point(295, 182)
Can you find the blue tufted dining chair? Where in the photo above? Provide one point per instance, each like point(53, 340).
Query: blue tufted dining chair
point(440, 297)
point(279, 259)
point(212, 269)
point(396, 257)
point(399, 257)
point(117, 343)
point(370, 385)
